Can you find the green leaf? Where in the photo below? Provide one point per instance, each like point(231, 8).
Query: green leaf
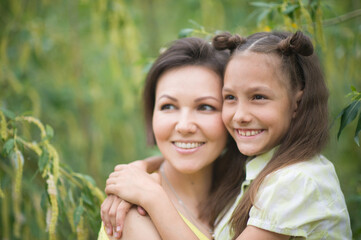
point(86, 199)
point(263, 15)
point(8, 113)
point(49, 131)
point(43, 160)
point(185, 32)
point(348, 115)
point(290, 9)
point(358, 129)
point(353, 89)
point(77, 214)
point(9, 146)
point(264, 5)
point(195, 23)
point(89, 179)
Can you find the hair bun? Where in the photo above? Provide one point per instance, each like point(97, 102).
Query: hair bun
point(227, 41)
point(296, 43)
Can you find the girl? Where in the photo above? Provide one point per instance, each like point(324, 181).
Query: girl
point(183, 103)
point(275, 107)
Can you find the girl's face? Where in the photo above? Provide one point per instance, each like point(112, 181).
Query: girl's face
point(258, 107)
point(187, 119)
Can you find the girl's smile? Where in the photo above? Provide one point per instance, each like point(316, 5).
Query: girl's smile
point(248, 132)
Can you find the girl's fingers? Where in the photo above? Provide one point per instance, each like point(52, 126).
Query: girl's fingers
point(113, 175)
point(110, 181)
point(122, 211)
point(120, 167)
point(113, 212)
point(141, 211)
point(111, 189)
point(104, 212)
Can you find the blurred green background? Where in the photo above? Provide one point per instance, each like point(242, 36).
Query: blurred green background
point(79, 66)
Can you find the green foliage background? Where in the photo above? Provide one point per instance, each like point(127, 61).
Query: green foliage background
point(79, 65)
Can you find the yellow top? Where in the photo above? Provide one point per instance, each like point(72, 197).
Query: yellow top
point(103, 235)
point(194, 229)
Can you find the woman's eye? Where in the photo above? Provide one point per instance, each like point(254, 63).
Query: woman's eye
point(229, 97)
point(206, 107)
point(167, 107)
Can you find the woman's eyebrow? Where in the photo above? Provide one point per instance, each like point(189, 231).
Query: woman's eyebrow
point(206, 97)
point(169, 97)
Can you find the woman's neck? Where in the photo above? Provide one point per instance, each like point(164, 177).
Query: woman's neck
point(191, 188)
point(187, 191)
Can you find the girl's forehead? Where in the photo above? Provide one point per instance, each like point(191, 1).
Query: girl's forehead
point(269, 59)
point(246, 65)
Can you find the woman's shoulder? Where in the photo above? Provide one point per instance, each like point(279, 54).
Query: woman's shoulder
point(139, 227)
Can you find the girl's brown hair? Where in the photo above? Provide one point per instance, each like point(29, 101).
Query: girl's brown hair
point(198, 52)
point(308, 132)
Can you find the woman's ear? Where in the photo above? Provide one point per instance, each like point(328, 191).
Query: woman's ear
point(297, 99)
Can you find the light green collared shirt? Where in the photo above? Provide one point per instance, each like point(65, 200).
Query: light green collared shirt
point(303, 200)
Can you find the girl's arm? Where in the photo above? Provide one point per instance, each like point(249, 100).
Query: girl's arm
point(114, 209)
point(255, 233)
point(150, 164)
point(137, 187)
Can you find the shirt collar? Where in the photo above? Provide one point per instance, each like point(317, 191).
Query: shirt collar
point(255, 165)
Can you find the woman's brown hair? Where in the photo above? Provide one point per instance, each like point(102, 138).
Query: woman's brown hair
point(198, 52)
point(308, 132)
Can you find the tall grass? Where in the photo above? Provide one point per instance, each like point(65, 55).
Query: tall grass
point(78, 66)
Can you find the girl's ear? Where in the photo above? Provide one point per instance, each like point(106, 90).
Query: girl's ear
point(298, 98)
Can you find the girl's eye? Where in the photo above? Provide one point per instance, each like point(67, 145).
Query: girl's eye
point(167, 107)
point(229, 97)
point(259, 97)
point(206, 107)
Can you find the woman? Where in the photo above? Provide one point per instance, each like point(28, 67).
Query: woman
point(183, 103)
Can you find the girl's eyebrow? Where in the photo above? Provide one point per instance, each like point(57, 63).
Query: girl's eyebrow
point(206, 97)
point(169, 97)
point(259, 88)
point(226, 90)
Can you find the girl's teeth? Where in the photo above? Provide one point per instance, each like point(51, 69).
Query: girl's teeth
point(248, 132)
point(187, 145)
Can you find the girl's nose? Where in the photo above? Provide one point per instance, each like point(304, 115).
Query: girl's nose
point(242, 115)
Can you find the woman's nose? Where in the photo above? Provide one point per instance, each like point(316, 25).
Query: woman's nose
point(186, 124)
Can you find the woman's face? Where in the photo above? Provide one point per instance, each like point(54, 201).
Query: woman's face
point(187, 119)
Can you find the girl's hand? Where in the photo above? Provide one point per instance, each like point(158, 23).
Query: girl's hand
point(113, 212)
point(108, 214)
point(114, 209)
point(133, 184)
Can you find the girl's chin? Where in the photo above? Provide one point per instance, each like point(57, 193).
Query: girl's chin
point(249, 151)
